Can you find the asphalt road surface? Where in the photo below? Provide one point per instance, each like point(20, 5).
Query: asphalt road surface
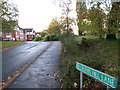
point(17, 57)
point(43, 73)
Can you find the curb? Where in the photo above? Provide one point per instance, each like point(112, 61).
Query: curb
point(10, 47)
point(18, 72)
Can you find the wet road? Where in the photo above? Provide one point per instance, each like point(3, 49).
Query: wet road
point(43, 73)
point(15, 58)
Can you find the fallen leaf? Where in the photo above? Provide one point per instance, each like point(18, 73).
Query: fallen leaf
point(61, 87)
point(8, 77)
point(75, 84)
point(61, 80)
point(55, 75)
point(15, 82)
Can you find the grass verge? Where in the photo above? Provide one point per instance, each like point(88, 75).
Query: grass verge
point(7, 44)
point(94, 52)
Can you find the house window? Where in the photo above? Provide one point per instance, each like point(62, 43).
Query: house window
point(8, 33)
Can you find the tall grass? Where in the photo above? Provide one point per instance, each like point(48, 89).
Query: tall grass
point(99, 54)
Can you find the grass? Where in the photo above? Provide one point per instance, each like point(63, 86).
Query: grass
point(6, 44)
point(99, 54)
point(88, 37)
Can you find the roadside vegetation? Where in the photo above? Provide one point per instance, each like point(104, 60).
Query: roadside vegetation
point(52, 37)
point(49, 37)
point(38, 38)
point(6, 44)
point(100, 54)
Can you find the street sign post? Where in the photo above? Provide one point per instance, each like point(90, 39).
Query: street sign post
point(98, 75)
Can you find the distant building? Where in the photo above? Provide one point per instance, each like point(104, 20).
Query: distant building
point(19, 34)
point(7, 36)
point(11, 36)
point(29, 34)
point(37, 34)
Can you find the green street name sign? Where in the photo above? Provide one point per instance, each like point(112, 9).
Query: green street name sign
point(102, 77)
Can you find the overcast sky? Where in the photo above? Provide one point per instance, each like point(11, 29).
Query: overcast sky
point(37, 14)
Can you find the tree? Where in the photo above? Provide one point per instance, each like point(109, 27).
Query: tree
point(81, 14)
point(42, 34)
point(113, 21)
point(9, 14)
point(65, 6)
point(90, 19)
point(63, 24)
point(97, 18)
point(54, 27)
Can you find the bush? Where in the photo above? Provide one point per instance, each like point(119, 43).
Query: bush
point(43, 34)
point(38, 38)
point(52, 37)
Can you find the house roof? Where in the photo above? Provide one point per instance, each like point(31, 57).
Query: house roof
point(20, 27)
point(27, 29)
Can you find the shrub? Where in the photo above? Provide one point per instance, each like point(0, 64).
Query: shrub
point(43, 34)
point(52, 37)
point(38, 38)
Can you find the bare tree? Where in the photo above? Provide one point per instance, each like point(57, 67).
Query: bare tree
point(65, 6)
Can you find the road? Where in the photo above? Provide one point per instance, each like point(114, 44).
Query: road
point(15, 58)
point(43, 73)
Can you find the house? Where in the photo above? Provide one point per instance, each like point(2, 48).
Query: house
point(19, 34)
point(15, 35)
point(11, 36)
point(29, 34)
point(7, 36)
